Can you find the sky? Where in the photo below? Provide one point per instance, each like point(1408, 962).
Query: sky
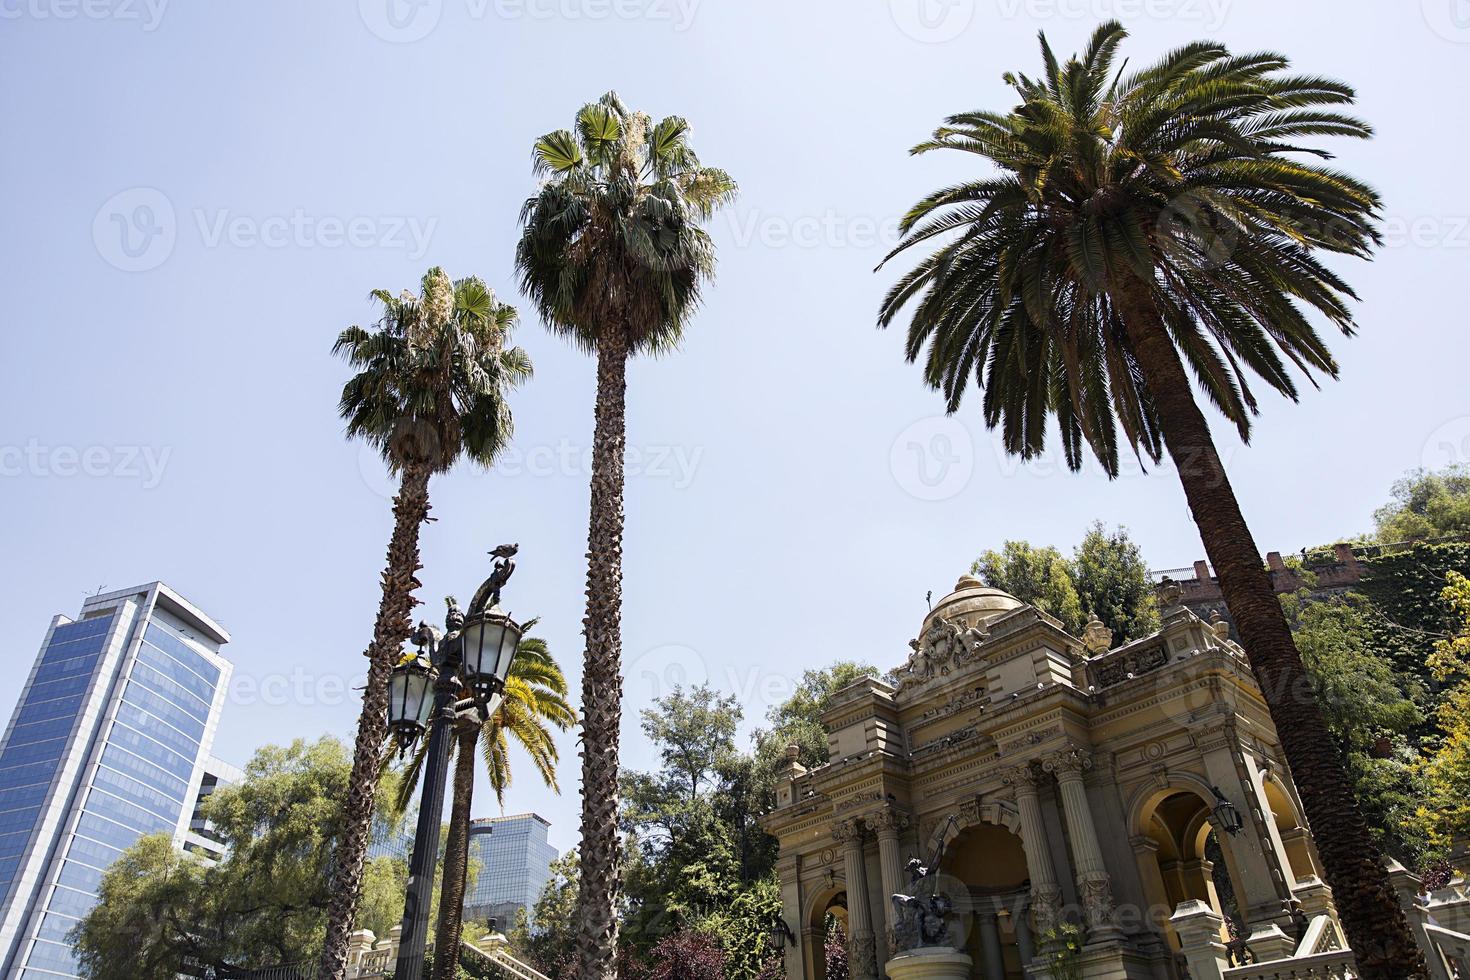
point(198, 196)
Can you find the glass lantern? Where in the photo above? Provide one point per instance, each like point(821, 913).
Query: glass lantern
point(410, 699)
point(490, 640)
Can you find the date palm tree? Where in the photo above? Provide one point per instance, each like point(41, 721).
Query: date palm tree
point(1138, 228)
point(534, 704)
point(431, 387)
point(613, 254)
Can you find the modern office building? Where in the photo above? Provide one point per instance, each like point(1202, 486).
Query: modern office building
point(110, 741)
point(200, 836)
point(514, 861)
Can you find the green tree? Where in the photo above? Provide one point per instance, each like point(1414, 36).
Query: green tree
point(797, 721)
point(1144, 225)
point(431, 388)
point(1039, 576)
point(1426, 504)
point(534, 705)
point(160, 908)
point(683, 858)
point(1369, 713)
point(1112, 582)
point(1447, 809)
point(548, 940)
point(613, 254)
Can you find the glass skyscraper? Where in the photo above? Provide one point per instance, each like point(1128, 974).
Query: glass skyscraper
point(514, 865)
point(109, 742)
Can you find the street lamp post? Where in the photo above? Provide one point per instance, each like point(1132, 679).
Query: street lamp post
point(472, 657)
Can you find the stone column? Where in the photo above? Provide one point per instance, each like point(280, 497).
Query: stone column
point(862, 964)
point(995, 964)
point(1046, 895)
point(887, 824)
point(1093, 884)
point(788, 870)
point(1024, 943)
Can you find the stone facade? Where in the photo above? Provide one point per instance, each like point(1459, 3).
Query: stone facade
point(1071, 784)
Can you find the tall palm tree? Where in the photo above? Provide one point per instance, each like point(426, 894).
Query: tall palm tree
point(535, 703)
point(431, 388)
point(613, 254)
point(1140, 227)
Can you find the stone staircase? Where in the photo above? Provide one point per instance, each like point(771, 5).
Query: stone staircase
point(1440, 922)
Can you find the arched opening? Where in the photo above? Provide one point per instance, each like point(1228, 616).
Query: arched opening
point(985, 868)
point(826, 932)
point(1181, 859)
point(1295, 841)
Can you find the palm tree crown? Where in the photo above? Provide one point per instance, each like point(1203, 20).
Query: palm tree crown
point(613, 240)
point(1182, 179)
point(432, 378)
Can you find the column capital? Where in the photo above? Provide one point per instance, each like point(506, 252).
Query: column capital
point(848, 831)
point(1023, 778)
point(1068, 763)
point(888, 821)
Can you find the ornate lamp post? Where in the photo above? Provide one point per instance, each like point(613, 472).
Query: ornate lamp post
point(474, 657)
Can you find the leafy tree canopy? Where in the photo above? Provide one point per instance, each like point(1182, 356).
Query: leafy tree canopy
point(1106, 577)
point(265, 904)
point(1426, 504)
point(1447, 807)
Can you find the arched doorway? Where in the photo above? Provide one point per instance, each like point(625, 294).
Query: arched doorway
point(826, 920)
point(1181, 859)
point(985, 871)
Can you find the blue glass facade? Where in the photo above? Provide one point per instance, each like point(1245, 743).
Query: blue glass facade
point(514, 860)
point(106, 746)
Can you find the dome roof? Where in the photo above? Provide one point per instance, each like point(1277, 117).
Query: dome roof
point(972, 603)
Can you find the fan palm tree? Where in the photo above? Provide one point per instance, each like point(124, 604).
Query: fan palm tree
point(613, 254)
point(1140, 227)
point(431, 388)
point(535, 702)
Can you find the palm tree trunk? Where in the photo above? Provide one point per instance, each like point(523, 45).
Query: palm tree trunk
point(602, 682)
point(1370, 913)
point(392, 629)
point(456, 860)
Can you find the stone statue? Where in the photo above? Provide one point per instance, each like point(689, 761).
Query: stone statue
point(923, 919)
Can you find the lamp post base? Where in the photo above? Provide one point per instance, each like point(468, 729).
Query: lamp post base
point(930, 963)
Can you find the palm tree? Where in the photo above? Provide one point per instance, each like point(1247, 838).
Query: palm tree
point(1139, 227)
point(613, 254)
point(431, 388)
point(534, 703)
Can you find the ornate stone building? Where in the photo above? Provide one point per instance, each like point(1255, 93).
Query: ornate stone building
point(1070, 783)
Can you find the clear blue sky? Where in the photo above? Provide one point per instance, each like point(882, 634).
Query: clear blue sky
point(198, 196)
